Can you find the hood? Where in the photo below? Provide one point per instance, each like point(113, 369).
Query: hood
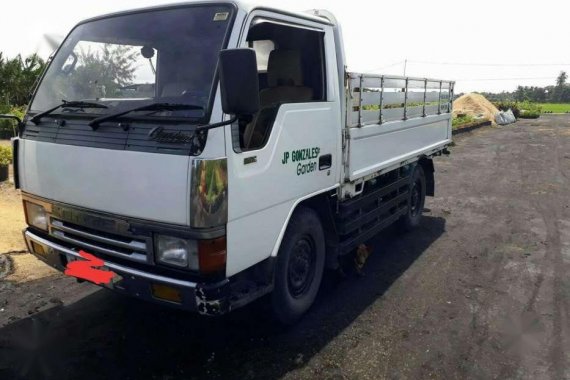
point(142, 185)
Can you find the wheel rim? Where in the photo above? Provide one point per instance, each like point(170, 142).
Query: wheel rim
point(301, 267)
point(416, 199)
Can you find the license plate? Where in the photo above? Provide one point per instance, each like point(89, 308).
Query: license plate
point(114, 280)
point(92, 269)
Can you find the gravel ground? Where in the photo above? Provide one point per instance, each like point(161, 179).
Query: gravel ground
point(481, 290)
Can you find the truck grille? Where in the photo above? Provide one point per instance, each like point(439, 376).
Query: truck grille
point(132, 248)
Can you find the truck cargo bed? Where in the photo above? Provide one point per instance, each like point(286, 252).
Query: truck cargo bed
point(391, 120)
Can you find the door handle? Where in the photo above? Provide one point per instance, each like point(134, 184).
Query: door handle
point(325, 161)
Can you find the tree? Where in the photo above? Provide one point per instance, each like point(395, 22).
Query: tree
point(559, 92)
point(520, 94)
point(107, 69)
point(99, 72)
point(17, 78)
point(561, 79)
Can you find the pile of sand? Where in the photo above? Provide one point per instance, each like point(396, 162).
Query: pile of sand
point(475, 105)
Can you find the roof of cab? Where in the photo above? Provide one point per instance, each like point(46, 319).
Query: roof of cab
point(245, 6)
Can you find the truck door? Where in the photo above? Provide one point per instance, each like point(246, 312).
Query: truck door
point(291, 149)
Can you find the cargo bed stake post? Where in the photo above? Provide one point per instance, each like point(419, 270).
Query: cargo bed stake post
point(360, 101)
point(406, 101)
point(439, 99)
point(425, 97)
point(381, 97)
point(349, 103)
point(450, 102)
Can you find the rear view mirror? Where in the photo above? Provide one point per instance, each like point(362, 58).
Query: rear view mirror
point(239, 82)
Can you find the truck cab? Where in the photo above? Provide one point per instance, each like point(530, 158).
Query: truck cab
point(202, 154)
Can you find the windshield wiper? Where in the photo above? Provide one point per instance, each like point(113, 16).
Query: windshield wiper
point(72, 104)
point(94, 124)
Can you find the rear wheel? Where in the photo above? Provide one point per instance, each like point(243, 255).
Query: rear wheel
point(300, 265)
point(416, 200)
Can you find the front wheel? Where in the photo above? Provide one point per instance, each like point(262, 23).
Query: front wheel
point(299, 268)
point(416, 200)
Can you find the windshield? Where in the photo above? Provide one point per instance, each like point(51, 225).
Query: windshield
point(130, 60)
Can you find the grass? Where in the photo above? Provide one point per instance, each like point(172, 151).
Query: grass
point(460, 121)
point(555, 107)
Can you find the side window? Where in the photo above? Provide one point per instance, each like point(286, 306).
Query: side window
point(291, 69)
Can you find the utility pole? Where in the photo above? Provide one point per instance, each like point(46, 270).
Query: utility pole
point(405, 65)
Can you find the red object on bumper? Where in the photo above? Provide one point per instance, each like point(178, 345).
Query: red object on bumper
point(86, 269)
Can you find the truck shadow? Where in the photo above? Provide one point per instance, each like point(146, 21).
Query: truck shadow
point(109, 336)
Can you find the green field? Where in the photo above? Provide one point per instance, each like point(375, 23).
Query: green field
point(555, 107)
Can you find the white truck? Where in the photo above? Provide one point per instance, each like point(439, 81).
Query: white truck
point(210, 153)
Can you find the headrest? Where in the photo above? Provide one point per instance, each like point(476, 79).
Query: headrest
point(284, 68)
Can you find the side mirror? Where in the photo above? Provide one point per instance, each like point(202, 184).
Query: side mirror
point(239, 82)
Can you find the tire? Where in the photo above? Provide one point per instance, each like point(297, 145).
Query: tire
point(416, 201)
point(299, 268)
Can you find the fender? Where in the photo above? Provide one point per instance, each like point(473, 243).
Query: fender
point(297, 202)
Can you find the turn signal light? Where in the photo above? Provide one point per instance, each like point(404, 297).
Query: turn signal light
point(167, 293)
point(212, 255)
point(38, 249)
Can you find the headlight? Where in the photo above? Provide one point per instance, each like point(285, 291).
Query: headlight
point(177, 252)
point(36, 215)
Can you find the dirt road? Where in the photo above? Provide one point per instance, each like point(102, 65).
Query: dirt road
point(481, 290)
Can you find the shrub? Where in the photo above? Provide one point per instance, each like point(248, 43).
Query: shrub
point(529, 110)
point(508, 105)
point(524, 114)
point(461, 120)
point(525, 110)
point(5, 155)
point(8, 127)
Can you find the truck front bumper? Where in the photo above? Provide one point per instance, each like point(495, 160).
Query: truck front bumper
point(204, 298)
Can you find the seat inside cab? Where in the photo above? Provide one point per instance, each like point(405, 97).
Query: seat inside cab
point(285, 82)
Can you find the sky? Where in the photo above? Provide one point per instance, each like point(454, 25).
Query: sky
point(483, 45)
